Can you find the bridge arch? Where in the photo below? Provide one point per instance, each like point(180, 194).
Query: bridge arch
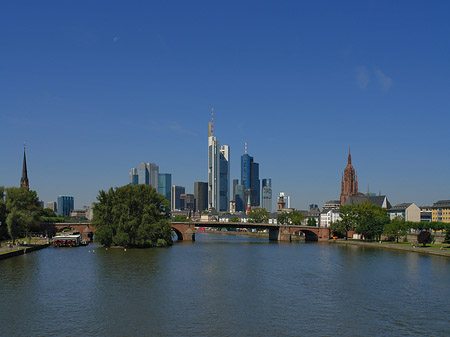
point(177, 233)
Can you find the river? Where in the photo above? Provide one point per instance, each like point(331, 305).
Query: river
point(224, 285)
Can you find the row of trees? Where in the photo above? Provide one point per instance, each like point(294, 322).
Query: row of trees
point(132, 216)
point(372, 222)
point(20, 212)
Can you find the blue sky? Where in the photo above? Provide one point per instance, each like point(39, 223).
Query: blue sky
point(95, 87)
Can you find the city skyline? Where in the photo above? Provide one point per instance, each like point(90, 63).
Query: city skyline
point(300, 82)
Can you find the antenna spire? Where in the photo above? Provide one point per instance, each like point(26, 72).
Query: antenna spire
point(246, 146)
point(212, 118)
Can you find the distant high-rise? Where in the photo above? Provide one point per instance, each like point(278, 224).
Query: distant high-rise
point(134, 176)
point(267, 194)
point(147, 174)
point(65, 204)
point(187, 202)
point(52, 205)
point(164, 185)
point(201, 196)
point(250, 178)
point(218, 171)
point(239, 198)
point(24, 180)
point(177, 191)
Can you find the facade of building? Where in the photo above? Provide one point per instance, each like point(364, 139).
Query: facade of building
point(331, 204)
point(441, 211)
point(164, 186)
point(52, 205)
point(201, 196)
point(267, 195)
point(329, 216)
point(406, 211)
point(134, 176)
point(349, 182)
point(187, 202)
point(148, 174)
point(65, 204)
point(426, 213)
point(250, 178)
point(176, 193)
point(218, 172)
point(239, 198)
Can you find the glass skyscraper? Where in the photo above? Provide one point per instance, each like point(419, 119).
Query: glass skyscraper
point(250, 179)
point(65, 204)
point(164, 185)
point(134, 176)
point(267, 194)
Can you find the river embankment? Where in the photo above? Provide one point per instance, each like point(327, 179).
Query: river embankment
point(260, 235)
point(395, 246)
point(12, 252)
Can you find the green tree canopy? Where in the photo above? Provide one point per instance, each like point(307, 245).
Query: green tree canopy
point(311, 222)
point(21, 211)
point(132, 216)
point(258, 215)
point(395, 228)
point(293, 217)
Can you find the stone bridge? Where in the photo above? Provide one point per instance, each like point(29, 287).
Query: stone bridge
point(186, 230)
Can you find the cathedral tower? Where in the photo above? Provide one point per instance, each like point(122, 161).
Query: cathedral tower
point(349, 181)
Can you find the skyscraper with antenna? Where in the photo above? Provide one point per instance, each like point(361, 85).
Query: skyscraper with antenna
point(218, 171)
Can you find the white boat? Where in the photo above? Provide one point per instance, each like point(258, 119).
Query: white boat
point(67, 240)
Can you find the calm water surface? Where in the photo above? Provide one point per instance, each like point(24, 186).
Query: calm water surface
point(225, 285)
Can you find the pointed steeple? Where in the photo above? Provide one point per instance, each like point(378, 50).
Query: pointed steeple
point(349, 156)
point(24, 180)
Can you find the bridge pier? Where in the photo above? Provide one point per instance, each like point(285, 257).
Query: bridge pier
point(184, 231)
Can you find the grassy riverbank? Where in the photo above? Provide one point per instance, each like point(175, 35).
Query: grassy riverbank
point(405, 246)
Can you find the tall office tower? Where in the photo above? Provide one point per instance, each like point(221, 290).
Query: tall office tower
point(134, 176)
point(267, 194)
point(239, 197)
point(148, 174)
point(224, 191)
point(250, 178)
point(235, 183)
point(52, 205)
point(24, 180)
point(164, 185)
point(218, 171)
point(201, 196)
point(153, 173)
point(177, 191)
point(187, 202)
point(143, 176)
point(65, 204)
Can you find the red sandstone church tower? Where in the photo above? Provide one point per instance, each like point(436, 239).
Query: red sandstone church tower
point(349, 182)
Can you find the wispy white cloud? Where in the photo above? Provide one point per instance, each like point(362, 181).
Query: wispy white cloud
point(174, 126)
point(384, 80)
point(362, 77)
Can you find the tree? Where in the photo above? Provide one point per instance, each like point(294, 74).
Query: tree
point(424, 237)
point(371, 220)
point(395, 228)
point(180, 218)
point(132, 216)
point(311, 222)
point(22, 211)
point(258, 215)
point(293, 217)
point(234, 219)
point(447, 234)
point(349, 220)
point(3, 214)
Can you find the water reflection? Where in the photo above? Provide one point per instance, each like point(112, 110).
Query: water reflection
point(224, 285)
